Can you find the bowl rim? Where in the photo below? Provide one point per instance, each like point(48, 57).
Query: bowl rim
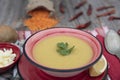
point(17, 55)
point(61, 70)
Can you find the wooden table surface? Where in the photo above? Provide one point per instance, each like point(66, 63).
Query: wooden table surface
point(12, 12)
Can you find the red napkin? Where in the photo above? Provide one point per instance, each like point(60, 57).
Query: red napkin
point(113, 62)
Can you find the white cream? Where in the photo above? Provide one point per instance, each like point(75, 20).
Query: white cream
point(6, 57)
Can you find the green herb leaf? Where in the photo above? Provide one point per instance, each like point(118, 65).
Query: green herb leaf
point(62, 45)
point(63, 48)
point(63, 52)
point(70, 50)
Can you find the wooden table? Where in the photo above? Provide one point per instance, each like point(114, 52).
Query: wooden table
point(70, 11)
point(12, 12)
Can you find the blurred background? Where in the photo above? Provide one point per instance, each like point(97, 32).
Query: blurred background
point(12, 12)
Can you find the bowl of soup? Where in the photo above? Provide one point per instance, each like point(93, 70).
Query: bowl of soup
point(62, 52)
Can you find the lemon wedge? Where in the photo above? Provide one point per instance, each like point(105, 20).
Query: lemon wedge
point(98, 68)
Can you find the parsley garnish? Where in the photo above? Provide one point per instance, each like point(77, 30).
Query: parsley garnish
point(63, 48)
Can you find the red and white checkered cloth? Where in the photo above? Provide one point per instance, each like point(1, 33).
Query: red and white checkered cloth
point(100, 30)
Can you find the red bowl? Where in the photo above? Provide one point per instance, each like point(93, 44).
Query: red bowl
point(16, 51)
point(91, 40)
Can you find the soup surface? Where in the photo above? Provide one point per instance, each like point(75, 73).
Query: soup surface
point(45, 52)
